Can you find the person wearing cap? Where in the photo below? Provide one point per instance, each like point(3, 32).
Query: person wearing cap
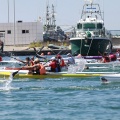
point(53, 64)
point(71, 60)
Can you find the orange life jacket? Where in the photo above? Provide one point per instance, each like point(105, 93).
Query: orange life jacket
point(42, 70)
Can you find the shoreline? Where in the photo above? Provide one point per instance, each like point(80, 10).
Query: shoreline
point(25, 50)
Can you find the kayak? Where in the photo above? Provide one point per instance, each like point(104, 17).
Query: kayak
point(6, 73)
point(116, 63)
point(10, 62)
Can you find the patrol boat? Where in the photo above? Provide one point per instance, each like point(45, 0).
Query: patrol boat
point(90, 37)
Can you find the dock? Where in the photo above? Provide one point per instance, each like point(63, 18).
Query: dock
point(23, 51)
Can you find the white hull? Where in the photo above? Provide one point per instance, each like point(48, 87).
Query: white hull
point(110, 78)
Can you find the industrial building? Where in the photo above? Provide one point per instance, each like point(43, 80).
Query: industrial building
point(21, 33)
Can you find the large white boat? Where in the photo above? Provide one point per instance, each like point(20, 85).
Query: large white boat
point(91, 38)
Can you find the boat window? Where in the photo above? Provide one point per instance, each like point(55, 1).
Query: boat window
point(92, 26)
point(89, 26)
point(99, 26)
point(79, 26)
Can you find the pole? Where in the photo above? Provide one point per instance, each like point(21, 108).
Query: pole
point(14, 23)
point(8, 11)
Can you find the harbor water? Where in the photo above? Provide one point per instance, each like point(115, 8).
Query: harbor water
point(60, 99)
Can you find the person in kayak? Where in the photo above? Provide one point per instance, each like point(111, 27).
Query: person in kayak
point(53, 65)
point(113, 57)
point(37, 68)
point(105, 58)
point(61, 62)
point(71, 60)
point(27, 61)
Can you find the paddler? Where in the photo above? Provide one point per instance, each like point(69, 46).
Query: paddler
point(61, 61)
point(105, 58)
point(37, 68)
point(53, 65)
point(71, 60)
point(26, 62)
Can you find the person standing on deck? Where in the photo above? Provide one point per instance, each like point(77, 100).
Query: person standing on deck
point(2, 45)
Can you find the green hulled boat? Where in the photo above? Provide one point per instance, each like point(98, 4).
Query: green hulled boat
point(90, 37)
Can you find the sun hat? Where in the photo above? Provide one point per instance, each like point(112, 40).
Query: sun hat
point(36, 60)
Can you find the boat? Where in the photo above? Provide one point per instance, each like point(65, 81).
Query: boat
point(51, 31)
point(24, 74)
point(90, 37)
point(4, 62)
point(52, 46)
point(108, 78)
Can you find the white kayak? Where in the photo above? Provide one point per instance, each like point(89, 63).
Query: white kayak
point(110, 78)
point(4, 62)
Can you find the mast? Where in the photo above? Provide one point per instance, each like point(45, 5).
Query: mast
point(53, 17)
point(47, 17)
point(91, 9)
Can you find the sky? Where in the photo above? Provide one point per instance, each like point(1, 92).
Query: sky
point(68, 12)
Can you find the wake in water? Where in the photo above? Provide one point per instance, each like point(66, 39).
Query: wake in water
point(78, 67)
point(7, 84)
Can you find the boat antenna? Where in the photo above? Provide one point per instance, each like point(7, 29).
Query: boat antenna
point(91, 1)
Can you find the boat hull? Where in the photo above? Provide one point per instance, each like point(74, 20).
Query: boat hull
point(90, 47)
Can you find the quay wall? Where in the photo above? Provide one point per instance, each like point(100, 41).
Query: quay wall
point(21, 51)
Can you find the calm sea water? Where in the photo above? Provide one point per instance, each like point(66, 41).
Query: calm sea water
point(60, 99)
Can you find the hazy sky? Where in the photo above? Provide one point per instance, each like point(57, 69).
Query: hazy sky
point(68, 12)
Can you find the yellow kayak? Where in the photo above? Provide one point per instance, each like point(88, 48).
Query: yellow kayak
point(53, 75)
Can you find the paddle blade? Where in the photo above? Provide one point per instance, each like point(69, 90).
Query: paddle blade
point(14, 73)
point(40, 49)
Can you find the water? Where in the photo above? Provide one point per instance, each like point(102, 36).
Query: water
point(60, 99)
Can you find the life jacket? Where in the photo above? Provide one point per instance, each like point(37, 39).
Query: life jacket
point(113, 57)
point(42, 70)
point(62, 63)
point(0, 58)
point(106, 59)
